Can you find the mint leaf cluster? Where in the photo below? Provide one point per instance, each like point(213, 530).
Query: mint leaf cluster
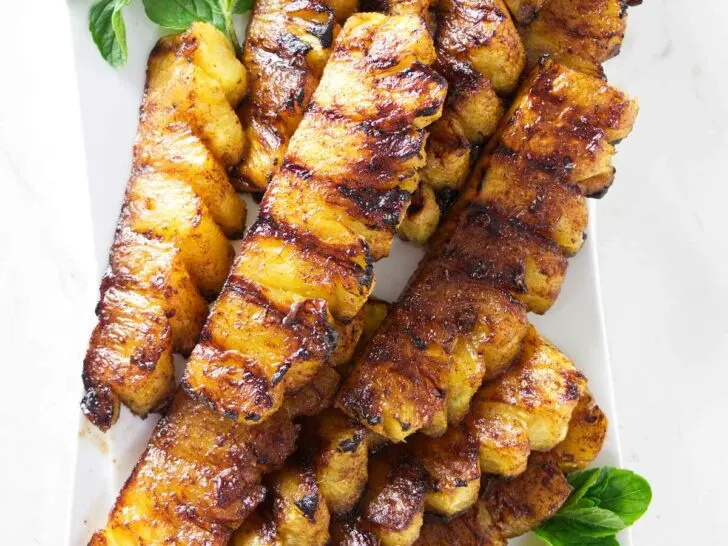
point(106, 22)
point(603, 501)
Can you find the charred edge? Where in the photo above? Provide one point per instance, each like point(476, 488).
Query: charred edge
point(419, 343)
point(360, 403)
point(308, 505)
point(599, 193)
point(324, 32)
point(381, 6)
point(293, 45)
point(427, 111)
point(350, 444)
point(230, 414)
point(446, 199)
point(280, 373)
point(383, 208)
point(296, 169)
point(97, 405)
point(242, 287)
point(462, 75)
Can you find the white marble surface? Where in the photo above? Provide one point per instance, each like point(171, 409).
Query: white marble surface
point(661, 243)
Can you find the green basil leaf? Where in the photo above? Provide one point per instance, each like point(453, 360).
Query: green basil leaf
point(108, 31)
point(558, 535)
point(590, 521)
point(243, 6)
point(180, 14)
point(624, 493)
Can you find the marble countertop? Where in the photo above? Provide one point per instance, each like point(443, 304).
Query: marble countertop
point(662, 252)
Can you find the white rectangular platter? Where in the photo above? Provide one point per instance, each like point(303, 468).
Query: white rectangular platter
point(109, 102)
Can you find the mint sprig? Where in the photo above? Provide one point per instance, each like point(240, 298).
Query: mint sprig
point(106, 22)
point(603, 501)
point(108, 31)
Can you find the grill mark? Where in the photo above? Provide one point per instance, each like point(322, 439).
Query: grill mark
point(309, 244)
point(306, 321)
point(381, 209)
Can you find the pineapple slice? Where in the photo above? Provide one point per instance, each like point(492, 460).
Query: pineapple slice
point(286, 49)
point(527, 408)
point(392, 507)
point(305, 268)
point(581, 34)
point(502, 250)
point(453, 471)
point(170, 247)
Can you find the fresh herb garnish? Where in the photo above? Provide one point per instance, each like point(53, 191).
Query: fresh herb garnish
point(109, 33)
point(603, 501)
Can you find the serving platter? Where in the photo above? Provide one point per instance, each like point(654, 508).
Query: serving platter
point(109, 102)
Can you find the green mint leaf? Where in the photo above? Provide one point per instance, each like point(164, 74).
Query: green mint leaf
point(580, 483)
point(602, 502)
point(557, 535)
point(106, 25)
point(590, 521)
point(243, 6)
point(624, 493)
point(180, 14)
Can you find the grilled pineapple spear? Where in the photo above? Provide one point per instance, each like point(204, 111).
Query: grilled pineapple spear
point(305, 266)
point(401, 484)
point(170, 249)
point(581, 34)
point(294, 293)
point(200, 475)
point(440, 475)
point(505, 507)
point(502, 251)
point(480, 54)
point(286, 49)
point(509, 507)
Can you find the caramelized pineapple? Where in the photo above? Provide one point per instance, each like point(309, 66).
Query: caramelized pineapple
point(305, 268)
point(508, 507)
point(583, 442)
point(502, 251)
point(294, 514)
point(524, 11)
point(422, 217)
point(171, 247)
point(285, 51)
point(580, 34)
point(201, 473)
point(480, 54)
point(340, 453)
point(513, 506)
point(392, 507)
point(527, 408)
point(453, 471)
